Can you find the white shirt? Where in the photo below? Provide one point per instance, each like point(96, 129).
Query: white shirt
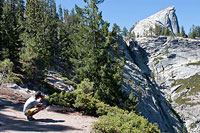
point(30, 103)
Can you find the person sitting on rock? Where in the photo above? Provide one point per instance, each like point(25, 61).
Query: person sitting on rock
point(33, 105)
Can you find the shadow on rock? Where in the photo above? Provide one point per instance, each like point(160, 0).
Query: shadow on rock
point(49, 120)
point(10, 123)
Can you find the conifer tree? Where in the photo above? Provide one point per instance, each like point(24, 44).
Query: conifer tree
point(182, 34)
point(124, 32)
point(66, 14)
point(96, 54)
point(63, 37)
point(193, 32)
point(131, 35)
point(166, 31)
point(157, 30)
point(1, 29)
point(60, 12)
point(116, 28)
point(11, 29)
point(151, 31)
point(38, 38)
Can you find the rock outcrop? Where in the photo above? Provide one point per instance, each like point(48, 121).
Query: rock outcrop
point(164, 18)
point(152, 102)
point(166, 70)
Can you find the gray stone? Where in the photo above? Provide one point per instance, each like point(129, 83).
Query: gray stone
point(164, 18)
point(147, 56)
point(152, 103)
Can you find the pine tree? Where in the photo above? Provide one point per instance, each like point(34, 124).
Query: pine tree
point(162, 31)
point(38, 38)
point(116, 28)
point(63, 38)
point(60, 12)
point(157, 30)
point(96, 54)
point(151, 31)
point(1, 28)
point(193, 32)
point(166, 31)
point(182, 34)
point(124, 32)
point(66, 14)
point(10, 29)
point(131, 34)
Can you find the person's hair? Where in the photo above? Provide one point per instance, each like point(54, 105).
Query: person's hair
point(38, 94)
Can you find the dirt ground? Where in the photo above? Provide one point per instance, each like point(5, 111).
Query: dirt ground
point(12, 118)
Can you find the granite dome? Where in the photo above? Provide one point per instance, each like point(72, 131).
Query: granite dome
point(164, 18)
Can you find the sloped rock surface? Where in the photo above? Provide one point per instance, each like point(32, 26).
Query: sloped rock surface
point(152, 103)
point(164, 18)
point(171, 59)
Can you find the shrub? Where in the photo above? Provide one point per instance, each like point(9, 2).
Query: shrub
point(113, 119)
point(86, 86)
point(86, 103)
point(6, 74)
point(123, 123)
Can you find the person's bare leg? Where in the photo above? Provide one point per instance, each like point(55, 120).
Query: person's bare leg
point(36, 111)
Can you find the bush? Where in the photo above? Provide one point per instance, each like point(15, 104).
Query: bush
point(86, 103)
point(86, 86)
point(65, 99)
point(123, 123)
point(82, 102)
point(112, 120)
point(6, 74)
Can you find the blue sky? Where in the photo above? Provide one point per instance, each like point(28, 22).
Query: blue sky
point(127, 12)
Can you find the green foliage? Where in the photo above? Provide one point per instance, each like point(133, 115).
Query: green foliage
point(124, 32)
point(194, 32)
point(166, 50)
point(123, 122)
point(6, 74)
point(158, 30)
point(151, 31)
point(157, 60)
point(39, 38)
point(96, 54)
point(63, 99)
point(192, 83)
point(184, 130)
point(11, 14)
point(194, 63)
point(66, 80)
point(116, 28)
point(6, 66)
point(182, 33)
point(193, 125)
point(131, 34)
point(86, 86)
point(131, 103)
point(88, 104)
point(113, 118)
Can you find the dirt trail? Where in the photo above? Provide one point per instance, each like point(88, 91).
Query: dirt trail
point(13, 120)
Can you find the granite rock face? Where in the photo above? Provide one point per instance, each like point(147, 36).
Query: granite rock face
point(152, 103)
point(155, 65)
point(164, 18)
